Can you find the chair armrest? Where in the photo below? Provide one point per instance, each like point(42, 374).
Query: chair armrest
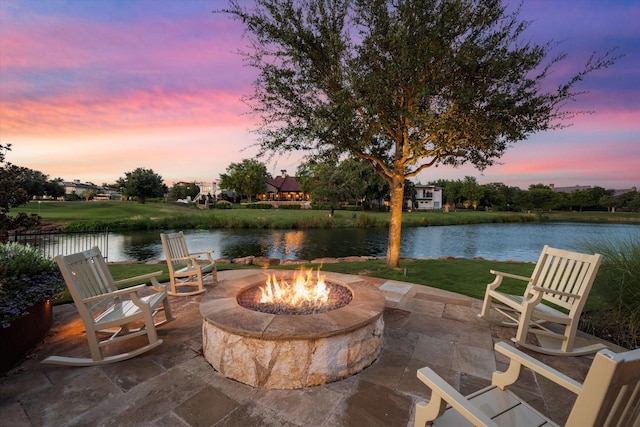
point(194, 258)
point(141, 278)
point(181, 258)
point(499, 276)
point(555, 292)
point(197, 255)
point(442, 393)
point(201, 253)
point(119, 292)
point(512, 276)
point(519, 360)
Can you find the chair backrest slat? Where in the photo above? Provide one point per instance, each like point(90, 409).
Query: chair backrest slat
point(86, 275)
point(565, 271)
point(174, 247)
point(610, 395)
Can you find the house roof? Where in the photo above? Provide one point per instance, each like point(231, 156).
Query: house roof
point(435, 187)
point(285, 184)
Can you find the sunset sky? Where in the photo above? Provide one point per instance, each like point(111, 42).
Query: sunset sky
point(92, 89)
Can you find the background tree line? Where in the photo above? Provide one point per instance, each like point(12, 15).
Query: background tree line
point(468, 194)
point(351, 182)
point(19, 184)
point(330, 183)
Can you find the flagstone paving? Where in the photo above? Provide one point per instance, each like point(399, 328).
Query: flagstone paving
point(173, 385)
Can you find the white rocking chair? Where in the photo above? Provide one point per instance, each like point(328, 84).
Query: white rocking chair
point(185, 268)
point(560, 277)
point(609, 396)
point(107, 311)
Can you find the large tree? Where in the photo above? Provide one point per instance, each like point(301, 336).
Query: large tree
point(317, 178)
point(181, 191)
point(54, 188)
point(248, 177)
point(349, 181)
point(403, 84)
point(142, 183)
point(542, 197)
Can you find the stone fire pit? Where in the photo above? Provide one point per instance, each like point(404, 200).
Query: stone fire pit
point(291, 351)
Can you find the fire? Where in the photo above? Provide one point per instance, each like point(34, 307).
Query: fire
point(302, 290)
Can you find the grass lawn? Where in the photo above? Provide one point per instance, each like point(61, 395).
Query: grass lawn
point(132, 215)
point(467, 277)
point(122, 215)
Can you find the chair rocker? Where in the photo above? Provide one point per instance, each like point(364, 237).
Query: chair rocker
point(108, 312)
point(609, 396)
point(185, 268)
point(560, 277)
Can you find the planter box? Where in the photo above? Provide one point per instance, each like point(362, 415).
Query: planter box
point(24, 333)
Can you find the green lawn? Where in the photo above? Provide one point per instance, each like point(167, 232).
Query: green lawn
point(67, 212)
point(121, 215)
point(467, 277)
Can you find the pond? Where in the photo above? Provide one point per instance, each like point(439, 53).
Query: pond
point(516, 241)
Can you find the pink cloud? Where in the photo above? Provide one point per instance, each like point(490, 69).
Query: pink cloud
point(611, 120)
point(53, 41)
point(136, 109)
point(176, 153)
point(604, 164)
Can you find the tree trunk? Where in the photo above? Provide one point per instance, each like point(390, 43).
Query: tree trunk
point(395, 223)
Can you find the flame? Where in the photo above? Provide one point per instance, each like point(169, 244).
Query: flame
point(302, 290)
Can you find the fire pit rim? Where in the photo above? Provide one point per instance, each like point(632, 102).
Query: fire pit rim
point(220, 307)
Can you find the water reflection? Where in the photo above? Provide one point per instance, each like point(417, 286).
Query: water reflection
point(293, 241)
point(521, 242)
point(234, 245)
point(141, 246)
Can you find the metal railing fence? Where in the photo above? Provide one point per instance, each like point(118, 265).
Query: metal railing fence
point(59, 242)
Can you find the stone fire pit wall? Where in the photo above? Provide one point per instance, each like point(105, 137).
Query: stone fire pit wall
point(291, 351)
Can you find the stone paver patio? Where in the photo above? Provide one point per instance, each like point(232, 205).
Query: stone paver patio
point(173, 385)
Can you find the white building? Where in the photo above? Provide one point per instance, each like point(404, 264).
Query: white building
point(428, 197)
point(208, 189)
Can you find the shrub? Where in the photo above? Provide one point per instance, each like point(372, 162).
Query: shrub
point(259, 206)
point(618, 283)
point(26, 278)
point(367, 221)
point(320, 207)
point(223, 204)
point(291, 206)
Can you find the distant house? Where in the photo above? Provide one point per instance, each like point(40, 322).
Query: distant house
point(569, 189)
point(283, 188)
point(626, 190)
point(428, 197)
point(208, 189)
point(100, 192)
